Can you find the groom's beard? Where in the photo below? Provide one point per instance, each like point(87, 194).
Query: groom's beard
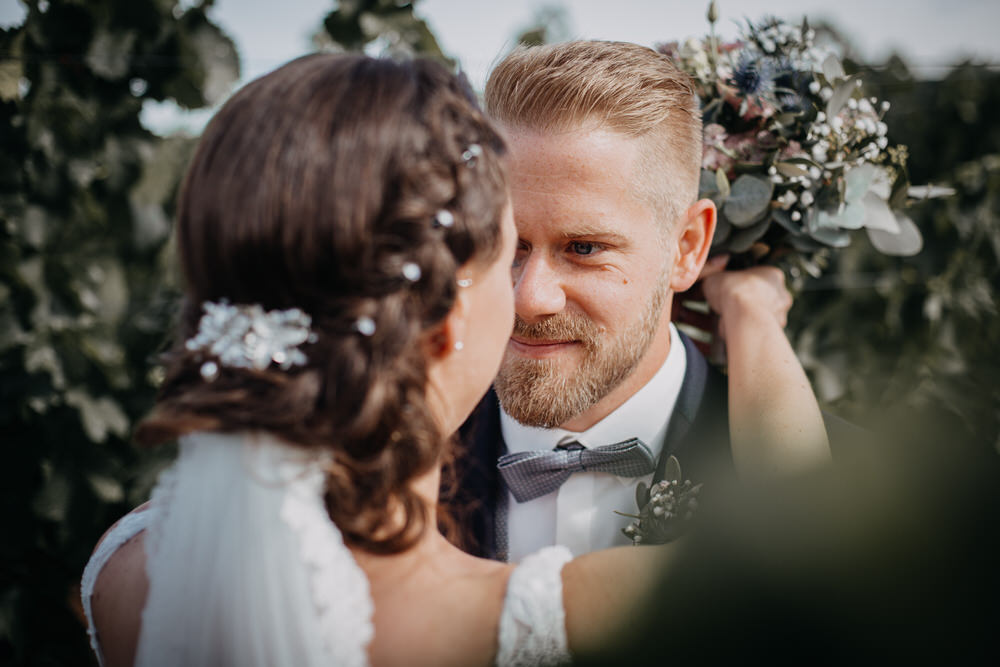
point(549, 392)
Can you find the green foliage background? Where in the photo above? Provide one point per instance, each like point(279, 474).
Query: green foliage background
point(87, 288)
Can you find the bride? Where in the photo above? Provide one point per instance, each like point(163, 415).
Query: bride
point(346, 240)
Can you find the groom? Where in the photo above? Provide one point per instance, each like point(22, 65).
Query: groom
point(605, 153)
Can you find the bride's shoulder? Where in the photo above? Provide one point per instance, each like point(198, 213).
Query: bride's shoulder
point(115, 587)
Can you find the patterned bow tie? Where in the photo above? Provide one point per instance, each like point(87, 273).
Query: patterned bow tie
point(532, 474)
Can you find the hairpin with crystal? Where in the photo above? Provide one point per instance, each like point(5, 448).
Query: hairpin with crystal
point(411, 271)
point(247, 336)
point(365, 326)
point(444, 218)
point(470, 154)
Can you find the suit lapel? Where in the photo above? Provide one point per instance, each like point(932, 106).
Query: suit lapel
point(699, 425)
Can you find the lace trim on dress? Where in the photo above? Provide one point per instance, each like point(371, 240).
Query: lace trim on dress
point(338, 583)
point(127, 527)
point(533, 621)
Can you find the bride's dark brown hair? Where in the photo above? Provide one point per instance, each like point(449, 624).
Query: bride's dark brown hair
point(311, 188)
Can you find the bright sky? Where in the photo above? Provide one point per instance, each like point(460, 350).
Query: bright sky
point(931, 34)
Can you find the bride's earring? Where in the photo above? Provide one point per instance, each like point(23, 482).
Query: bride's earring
point(458, 345)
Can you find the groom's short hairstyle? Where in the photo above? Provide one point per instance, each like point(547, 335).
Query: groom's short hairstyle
point(618, 86)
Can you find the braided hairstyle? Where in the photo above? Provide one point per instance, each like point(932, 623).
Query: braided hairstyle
point(311, 188)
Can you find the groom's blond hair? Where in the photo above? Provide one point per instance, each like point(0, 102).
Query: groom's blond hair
point(619, 86)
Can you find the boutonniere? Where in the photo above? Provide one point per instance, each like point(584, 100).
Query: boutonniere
point(665, 508)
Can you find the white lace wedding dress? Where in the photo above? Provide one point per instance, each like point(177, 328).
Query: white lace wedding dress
point(274, 583)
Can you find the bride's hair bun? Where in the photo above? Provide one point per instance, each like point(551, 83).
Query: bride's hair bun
point(320, 186)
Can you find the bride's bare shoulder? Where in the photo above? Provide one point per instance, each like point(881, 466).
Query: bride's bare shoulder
point(602, 591)
point(118, 598)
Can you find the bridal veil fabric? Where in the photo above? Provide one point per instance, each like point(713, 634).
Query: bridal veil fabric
point(245, 566)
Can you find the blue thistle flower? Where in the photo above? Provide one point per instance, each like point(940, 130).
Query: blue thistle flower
point(753, 76)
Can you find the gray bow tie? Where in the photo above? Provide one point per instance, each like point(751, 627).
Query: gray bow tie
point(532, 474)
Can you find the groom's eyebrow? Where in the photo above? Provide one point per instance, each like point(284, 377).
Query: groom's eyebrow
point(593, 233)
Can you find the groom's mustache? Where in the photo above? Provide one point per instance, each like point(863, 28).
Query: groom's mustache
point(565, 326)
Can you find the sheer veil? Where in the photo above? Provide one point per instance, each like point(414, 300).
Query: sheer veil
point(245, 567)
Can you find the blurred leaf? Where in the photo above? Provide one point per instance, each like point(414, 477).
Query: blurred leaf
point(722, 183)
point(905, 243)
point(841, 93)
point(832, 69)
point(672, 470)
point(100, 417)
point(107, 488)
point(749, 199)
point(110, 52)
point(879, 216)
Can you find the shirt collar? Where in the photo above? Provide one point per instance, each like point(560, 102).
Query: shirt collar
point(645, 415)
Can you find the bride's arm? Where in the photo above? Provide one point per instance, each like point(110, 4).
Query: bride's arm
point(775, 422)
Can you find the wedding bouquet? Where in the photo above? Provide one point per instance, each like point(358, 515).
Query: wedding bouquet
point(795, 156)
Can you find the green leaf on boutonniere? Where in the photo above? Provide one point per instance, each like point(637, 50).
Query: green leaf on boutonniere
point(664, 509)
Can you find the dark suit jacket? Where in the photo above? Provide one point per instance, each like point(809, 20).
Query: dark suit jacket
point(698, 435)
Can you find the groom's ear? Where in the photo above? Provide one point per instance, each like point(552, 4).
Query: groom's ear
point(692, 242)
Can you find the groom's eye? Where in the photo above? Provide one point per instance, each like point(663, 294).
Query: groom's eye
point(583, 248)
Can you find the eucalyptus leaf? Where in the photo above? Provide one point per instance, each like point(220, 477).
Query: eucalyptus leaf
point(906, 243)
point(832, 237)
point(857, 181)
point(672, 470)
point(743, 239)
point(708, 185)
point(641, 495)
point(851, 216)
point(749, 200)
point(879, 216)
point(841, 94)
point(722, 183)
point(790, 169)
point(785, 220)
point(930, 191)
point(832, 69)
point(723, 229)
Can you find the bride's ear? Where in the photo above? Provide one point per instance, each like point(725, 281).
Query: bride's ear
point(449, 336)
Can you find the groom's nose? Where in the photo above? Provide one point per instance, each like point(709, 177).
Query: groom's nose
point(538, 289)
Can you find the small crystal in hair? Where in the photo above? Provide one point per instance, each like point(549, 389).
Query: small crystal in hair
point(444, 218)
point(471, 153)
point(412, 272)
point(365, 326)
point(210, 370)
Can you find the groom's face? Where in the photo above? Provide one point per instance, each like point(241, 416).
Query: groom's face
point(591, 277)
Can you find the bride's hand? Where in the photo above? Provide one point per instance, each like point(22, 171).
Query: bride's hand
point(757, 292)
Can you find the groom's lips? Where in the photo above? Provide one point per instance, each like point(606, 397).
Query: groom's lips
point(537, 348)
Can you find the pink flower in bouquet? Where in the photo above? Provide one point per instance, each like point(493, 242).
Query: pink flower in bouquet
point(745, 146)
point(713, 156)
point(792, 149)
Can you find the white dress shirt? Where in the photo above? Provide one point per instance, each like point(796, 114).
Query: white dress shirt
point(580, 515)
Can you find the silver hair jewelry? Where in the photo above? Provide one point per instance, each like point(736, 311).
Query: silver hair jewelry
point(412, 272)
point(470, 154)
point(365, 326)
point(444, 218)
point(247, 336)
